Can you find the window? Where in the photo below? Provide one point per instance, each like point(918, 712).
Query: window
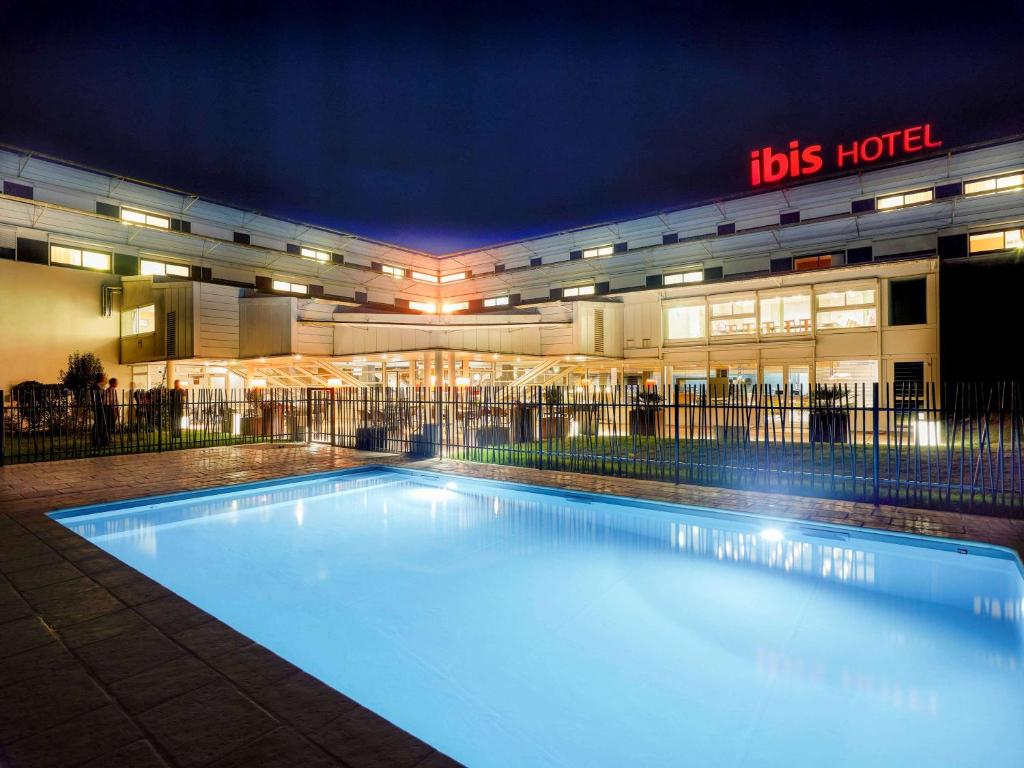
point(578, 290)
point(856, 376)
point(908, 301)
point(601, 250)
point(453, 277)
point(149, 267)
point(1005, 183)
point(148, 219)
point(315, 255)
point(986, 242)
point(851, 308)
point(820, 261)
point(685, 322)
point(387, 269)
point(678, 278)
point(138, 320)
point(903, 199)
point(79, 257)
point(786, 314)
point(457, 306)
point(732, 317)
point(496, 301)
point(287, 287)
point(423, 306)
point(423, 276)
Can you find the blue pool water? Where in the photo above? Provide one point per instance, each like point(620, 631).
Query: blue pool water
point(510, 626)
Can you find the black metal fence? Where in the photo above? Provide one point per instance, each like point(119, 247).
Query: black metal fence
point(899, 445)
point(43, 424)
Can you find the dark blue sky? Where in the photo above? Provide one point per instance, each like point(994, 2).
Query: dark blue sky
point(442, 126)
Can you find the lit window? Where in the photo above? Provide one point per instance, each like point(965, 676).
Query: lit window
point(457, 306)
point(287, 287)
point(453, 277)
point(149, 267)
point(79, 257)
point(678, 278)
point(685, 322)
point(387, 269)
point(786, 314)
point(853, 308)
point(802, 263)
point(733, 317)
point(1005, 183)
point(423, 306)
point(578, 290)
point(601, 250)
point(903, 199)
point(148, 219)
point(496, 301)
point(1006, 239)
point(315, 255)
point(418, 276)
point(138, 320)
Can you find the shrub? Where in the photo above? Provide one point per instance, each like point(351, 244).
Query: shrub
point(83, 372)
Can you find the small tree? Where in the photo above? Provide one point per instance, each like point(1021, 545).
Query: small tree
point(84, 371)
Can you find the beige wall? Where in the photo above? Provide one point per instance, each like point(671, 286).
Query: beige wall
point(46, 313)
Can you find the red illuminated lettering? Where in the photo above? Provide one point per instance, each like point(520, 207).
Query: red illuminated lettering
point(768, 166)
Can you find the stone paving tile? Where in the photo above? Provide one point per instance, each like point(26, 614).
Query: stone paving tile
point(88, 736)
point(22, 635)
point(130, 587)
point(206, 724)
point(56, 590)
point(282, 748)
point(87, 604)
point(12, 606)
point(35, 662)
point(212, 639)
point(253, 667)
point(172, 614)
point(29, 707)
point(138, 754)
point(362, 739)
point(46, 557)
point(162, 683)
point(304, 702)
point(129, 653)
point(102, 627)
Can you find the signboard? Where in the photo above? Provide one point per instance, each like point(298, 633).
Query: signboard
point(770, 166)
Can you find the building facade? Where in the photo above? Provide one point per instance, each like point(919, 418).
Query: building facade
point(842, 280)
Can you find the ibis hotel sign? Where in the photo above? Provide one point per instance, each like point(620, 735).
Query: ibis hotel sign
point(768, 165)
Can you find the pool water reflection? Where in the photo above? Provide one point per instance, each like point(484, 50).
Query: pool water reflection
point(511, 627)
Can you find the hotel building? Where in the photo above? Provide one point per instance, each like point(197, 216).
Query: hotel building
point(862, 277)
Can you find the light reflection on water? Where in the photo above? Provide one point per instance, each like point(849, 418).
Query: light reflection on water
point(514, 628)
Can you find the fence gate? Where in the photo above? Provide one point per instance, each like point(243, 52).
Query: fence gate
point(320, 416)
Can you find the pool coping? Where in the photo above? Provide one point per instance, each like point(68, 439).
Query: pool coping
point(805, 528)
point(76, 712)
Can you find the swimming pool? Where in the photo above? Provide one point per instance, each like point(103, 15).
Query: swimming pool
point(509, 625)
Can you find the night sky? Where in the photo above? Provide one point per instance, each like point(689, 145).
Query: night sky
point(454, 126)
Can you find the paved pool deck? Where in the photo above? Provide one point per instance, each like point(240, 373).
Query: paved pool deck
point(101, 666)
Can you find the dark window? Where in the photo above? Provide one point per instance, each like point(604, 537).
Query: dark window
point(106, 209)
point(952, 246)
point(264, 283)
point(293, 248)
point(126, 264)
point(653, 281)
point(863, 206)
point(726, 229)
point(555, 293)
point(17, 190)
point(789, 217)
point(242, 238)
point(621, 247)
point(602, 288)
point(858, 255)
point(33, 251)
point(499, 267)
point(337, 258)
point(535, 261)
point(360, 297)
point(670, 238)
point(908, 301)
point(712, 273)
point(782, 264)
point(949, 190)
point(575, 255)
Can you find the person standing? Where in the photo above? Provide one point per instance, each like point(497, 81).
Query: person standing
point(110, 409)
point(177, 408)
point(100, 433)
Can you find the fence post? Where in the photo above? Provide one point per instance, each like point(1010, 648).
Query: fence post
point(3, 419)
point(309, 416)
point(675, 416)
point(540, 428)
point(874, 444)
point(334, 428)
point(160, 420)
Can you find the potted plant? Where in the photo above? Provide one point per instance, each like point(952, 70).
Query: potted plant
point(554, 422)
point(830, 415)
point(643, 419)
